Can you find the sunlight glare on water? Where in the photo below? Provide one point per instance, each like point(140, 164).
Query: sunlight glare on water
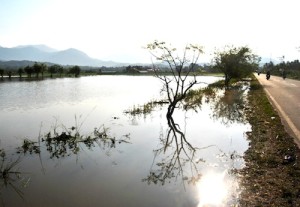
point(214, 189)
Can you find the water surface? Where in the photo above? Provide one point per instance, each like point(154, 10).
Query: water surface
point(138, 168)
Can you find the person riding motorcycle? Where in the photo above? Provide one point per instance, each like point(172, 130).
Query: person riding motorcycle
point(268, 75)
point(283, 74)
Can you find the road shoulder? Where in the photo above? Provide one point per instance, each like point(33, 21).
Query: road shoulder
point(271, 176)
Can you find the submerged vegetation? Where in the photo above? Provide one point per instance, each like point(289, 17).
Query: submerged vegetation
point(10, 175)
point(145, 109)
point(67, 141)
point(59, 142)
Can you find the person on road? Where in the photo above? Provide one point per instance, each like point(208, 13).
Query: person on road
point(268, 75)
point(283, 74)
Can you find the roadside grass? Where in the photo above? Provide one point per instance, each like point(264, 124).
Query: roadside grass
point(271, 176)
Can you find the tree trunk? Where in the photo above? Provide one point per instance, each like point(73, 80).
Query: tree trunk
point(227, 80)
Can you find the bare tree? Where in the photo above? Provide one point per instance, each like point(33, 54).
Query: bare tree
point(176, 82)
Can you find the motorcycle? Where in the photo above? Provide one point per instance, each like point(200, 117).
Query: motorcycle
point(268, 76)
point(283, 75)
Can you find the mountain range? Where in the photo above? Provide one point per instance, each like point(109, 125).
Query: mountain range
point(43, 53)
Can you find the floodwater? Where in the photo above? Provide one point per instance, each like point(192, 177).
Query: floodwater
point(117, 159)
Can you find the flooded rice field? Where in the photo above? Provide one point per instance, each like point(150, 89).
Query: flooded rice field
point(74, 142)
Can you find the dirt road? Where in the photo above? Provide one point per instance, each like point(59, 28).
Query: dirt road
point(285, 96)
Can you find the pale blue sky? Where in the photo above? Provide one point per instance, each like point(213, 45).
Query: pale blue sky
point(118, 29)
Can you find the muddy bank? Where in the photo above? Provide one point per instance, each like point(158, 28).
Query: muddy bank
point(271, 176)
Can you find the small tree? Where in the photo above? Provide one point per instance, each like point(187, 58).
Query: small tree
point(55, 69)
point(44, 68)
point(236, 63)
point(52, 69)
point(28, 70)
point(177, 84)
point(75, 70)
point(37, 69)
point(9, 73)
point(60, 70)
point(1, 73)
point(20, 72)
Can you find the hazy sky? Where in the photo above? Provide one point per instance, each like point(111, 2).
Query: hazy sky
point(118, 29)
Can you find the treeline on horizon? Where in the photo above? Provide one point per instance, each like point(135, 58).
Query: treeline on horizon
point(30, 69)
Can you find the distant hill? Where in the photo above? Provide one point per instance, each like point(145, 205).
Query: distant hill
point(43, 53)
point(15, 64)
point(44, 48)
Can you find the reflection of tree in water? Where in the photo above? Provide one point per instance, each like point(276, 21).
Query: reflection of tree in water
point(177, 153)
point(227, 104)
point(178, 158)
point(229, 107)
